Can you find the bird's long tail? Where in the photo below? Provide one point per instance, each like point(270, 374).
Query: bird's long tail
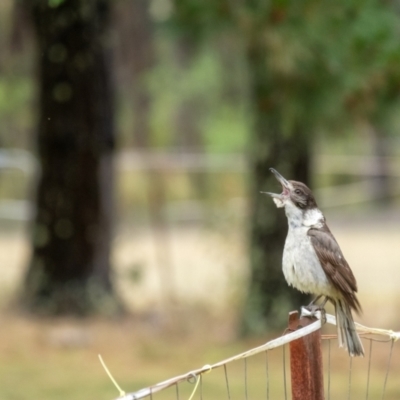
point(347, 334)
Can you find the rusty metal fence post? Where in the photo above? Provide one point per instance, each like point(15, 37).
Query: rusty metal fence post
point(306, 361)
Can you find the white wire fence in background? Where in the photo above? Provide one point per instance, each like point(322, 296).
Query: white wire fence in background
point(128, 161)
point(264, 372)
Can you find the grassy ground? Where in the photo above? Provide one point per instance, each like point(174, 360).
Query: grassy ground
point(57, 360)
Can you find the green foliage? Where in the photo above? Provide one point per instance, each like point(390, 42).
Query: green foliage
point(16, 84)
point(55, 3)
point(369, 57)
point(200, 18)
point(328, 63)
point(334, 61)
point(15, 93)
point(227, 129)
point(224, 122)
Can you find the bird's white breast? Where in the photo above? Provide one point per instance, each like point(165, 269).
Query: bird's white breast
point(300, 263)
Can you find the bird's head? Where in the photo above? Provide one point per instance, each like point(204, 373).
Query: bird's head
point(294, 193)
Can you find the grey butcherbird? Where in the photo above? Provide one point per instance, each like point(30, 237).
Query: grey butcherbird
point(313, 262)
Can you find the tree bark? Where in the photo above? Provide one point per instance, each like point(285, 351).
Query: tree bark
point(69, 270)
point(270, 297)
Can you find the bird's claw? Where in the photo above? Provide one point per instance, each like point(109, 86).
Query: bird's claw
point(314, 308)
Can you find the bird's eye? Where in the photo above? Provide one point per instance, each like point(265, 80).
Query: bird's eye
point(297, 191)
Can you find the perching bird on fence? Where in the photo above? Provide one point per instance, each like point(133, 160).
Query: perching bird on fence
point(313, 262)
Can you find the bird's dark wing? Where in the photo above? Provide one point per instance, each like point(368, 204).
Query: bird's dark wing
point(334, 264)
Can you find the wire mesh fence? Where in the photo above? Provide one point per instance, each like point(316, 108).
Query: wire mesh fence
point(268, 371)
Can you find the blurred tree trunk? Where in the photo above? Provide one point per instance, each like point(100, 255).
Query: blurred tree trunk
point(69, 270)
point(269, 297)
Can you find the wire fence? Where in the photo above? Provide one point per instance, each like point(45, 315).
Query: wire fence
point(22, 167)
point(263, 372)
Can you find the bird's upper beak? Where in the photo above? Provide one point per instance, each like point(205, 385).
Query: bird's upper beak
point(286, 186)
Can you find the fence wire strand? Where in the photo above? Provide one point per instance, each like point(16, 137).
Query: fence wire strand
point(369, 367)
point(177, 391)
point(387, 369)
point(350, 375)
point(329, 369)
point(284, 370)
point(227, 382)
point(245, 379)
point(267, 373)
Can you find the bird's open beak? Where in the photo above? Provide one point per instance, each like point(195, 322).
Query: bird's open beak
point(279, 198)
point(285, 183)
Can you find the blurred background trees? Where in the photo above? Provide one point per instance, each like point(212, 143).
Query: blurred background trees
point(209, 96)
